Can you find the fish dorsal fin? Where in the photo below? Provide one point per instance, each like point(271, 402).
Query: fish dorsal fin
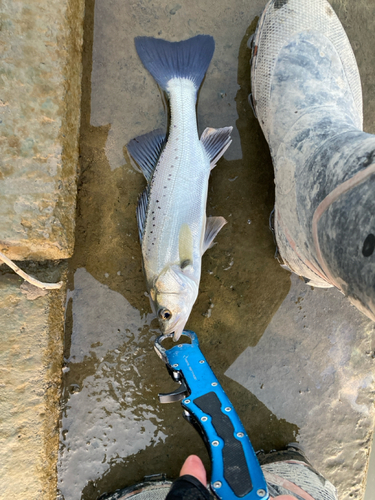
point(141, 212)
point(185, 246)
point(146, 150)
point(216, 141)
point(213, 226)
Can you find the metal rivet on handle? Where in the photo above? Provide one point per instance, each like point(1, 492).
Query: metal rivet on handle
point(215, 443)
point(187, 401)
point(217, 484)
point(175, 365)
point(228, 408)
point(179, 345)
point(261, 493)
point(204, 419)
point(201, 361)
point(214, 384)
point(240, 434)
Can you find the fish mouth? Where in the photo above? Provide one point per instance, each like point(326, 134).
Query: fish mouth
point(177, 334)
point(176, 329)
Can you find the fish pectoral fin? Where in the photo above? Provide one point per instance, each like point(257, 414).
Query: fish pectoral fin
point(216, 142)
point(213, 226)
point(141, 212)
point(185, 246)
point(146, 150)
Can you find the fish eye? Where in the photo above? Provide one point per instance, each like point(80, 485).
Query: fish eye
point(368, 245)
point(164, 314)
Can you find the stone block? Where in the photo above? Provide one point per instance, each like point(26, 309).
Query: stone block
point(40, 115)
point(31, 325)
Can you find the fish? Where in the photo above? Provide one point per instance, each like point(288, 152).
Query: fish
point(174, 230)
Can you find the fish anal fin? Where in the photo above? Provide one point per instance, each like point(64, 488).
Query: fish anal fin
point(146, 150)
point(216, 142)
point(213, 226)
point(185, 246)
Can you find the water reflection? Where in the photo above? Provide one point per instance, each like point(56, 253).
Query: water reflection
point(102, 319)
point(106, 416)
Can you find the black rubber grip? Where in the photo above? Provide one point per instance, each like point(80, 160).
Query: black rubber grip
point(236, 472)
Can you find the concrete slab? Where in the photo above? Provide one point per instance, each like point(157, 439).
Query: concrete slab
point(40, 107)
point(314, 367)
point(31, 325)
point(114, 375)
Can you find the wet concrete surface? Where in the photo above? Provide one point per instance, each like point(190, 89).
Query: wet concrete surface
point(113, 430)
point(314, 366)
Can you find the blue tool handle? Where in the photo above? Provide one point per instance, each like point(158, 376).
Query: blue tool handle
point(236, 473)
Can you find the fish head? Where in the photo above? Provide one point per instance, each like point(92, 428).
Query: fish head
point(173, 297)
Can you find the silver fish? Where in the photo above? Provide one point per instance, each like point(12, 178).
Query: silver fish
point(173, 228)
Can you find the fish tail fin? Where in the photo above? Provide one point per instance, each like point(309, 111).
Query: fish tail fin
point(166, 60)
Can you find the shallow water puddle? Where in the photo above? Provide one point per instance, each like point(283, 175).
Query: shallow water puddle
point(113, 429)
point(104, 379)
